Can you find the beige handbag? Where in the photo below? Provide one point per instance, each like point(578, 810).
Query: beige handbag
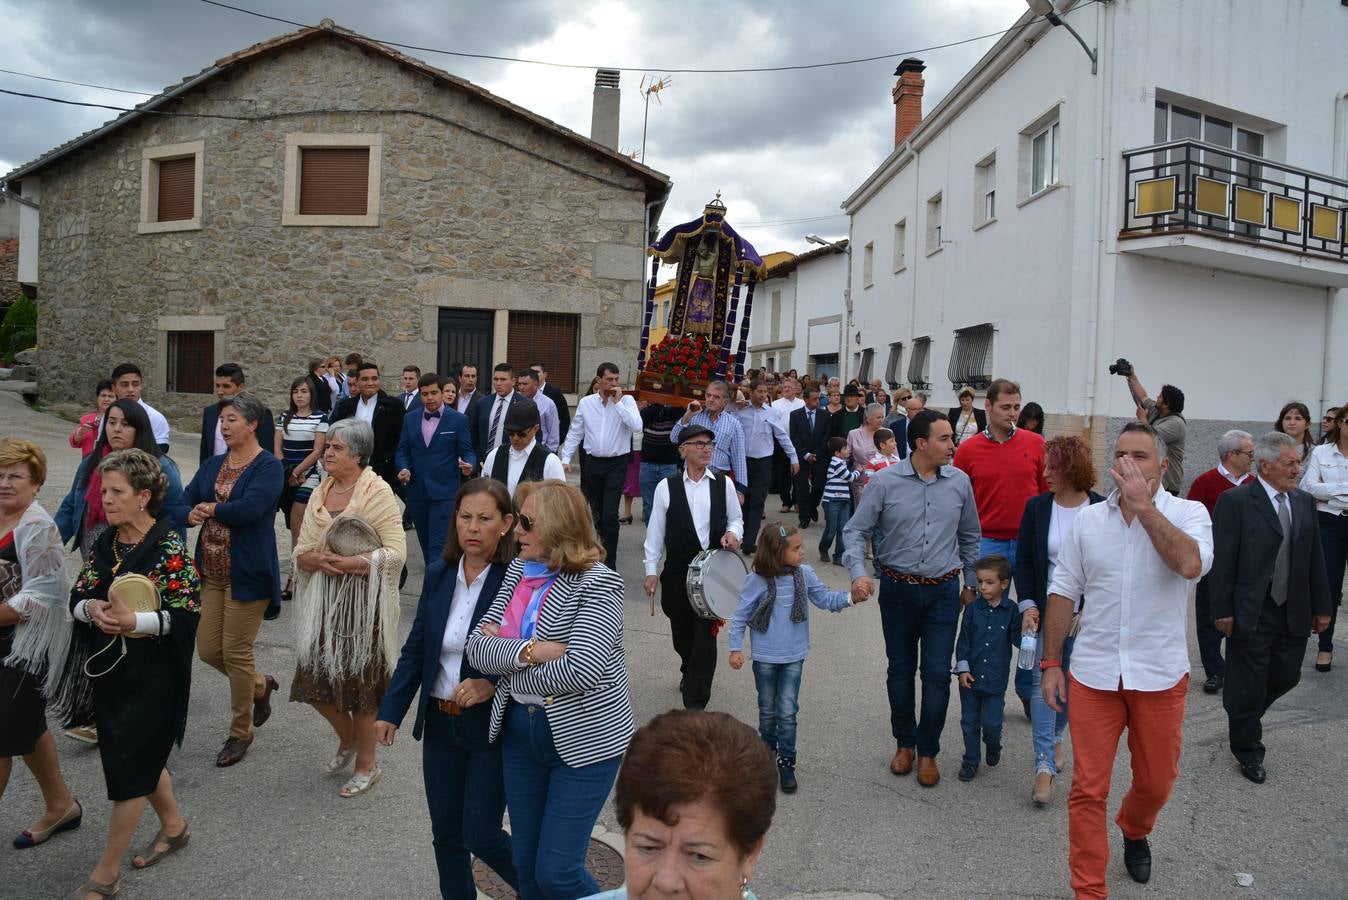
point(141, 595)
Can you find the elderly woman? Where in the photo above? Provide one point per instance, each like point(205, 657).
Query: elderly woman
point(562, 708)
point(462, 770)
point(693, 779)
point(966, 420)
point(233, 498)
point(81, 516)
point(861, 441)
point(87, 431)
point(1047, 519)
point(347, 559)
point(34, 635)
point(133, 669)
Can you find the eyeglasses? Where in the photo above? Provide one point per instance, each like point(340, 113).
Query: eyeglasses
point(15, 477)
point(700, 445)
point(526, 523)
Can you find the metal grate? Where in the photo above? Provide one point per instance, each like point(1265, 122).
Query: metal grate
point(971, 357)
point(334, 181)
point(917, 364)
point(177, 189)
point(191, 362)
point(552, 339)
point(892, 365)
point(867, 363)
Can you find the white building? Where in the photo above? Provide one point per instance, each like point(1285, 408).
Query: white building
point(1003, 238)
point(800, 312)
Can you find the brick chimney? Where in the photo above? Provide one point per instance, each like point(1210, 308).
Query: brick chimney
point(604, 116)
point(907, 99)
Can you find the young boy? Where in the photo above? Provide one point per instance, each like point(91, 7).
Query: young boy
point(837, 498)
point(988, 629)
point(886, 452)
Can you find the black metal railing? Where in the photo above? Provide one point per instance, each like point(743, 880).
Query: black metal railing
point(1192, 186)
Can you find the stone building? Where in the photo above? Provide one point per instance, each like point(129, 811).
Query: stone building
point(320, 193)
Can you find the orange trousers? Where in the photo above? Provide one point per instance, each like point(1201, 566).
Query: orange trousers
point(1097, 719)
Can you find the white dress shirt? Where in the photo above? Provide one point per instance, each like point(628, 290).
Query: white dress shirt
point(1133, 623)
point(547, 420)
point(699, 502)
point(606, 428)
point(785, 408)
point(552, 466)
point(461, 404)
point(158, 423)
point(1226, 473)
point(1326, 479)
point(456, 632)
point(220, 445)
point(365, 408)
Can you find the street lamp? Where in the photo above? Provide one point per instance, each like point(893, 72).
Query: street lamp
point(836, 245)
point(1045, 8)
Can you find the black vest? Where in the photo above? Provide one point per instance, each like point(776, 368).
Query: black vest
point(681, 543)
point(533, 466)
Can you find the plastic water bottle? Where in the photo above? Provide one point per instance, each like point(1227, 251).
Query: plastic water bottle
point(1028, 645)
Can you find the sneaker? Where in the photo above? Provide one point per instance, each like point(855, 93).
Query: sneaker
point(967, 771)
point(786, 773)
point(994, 754)
point(85, 734)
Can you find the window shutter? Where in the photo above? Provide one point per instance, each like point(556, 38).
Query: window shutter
point(191, 362)
point(892, 365)
point(334, 181)
point(177, 189)
point(552, 339)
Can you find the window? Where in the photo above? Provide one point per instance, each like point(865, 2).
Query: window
point(892, 365)
point(1173, 123)
point(933, 224)
point(332, 179)
point(917, 364)
point(775, 330)
point(971, 357)
point(191, 362)
point(550, 338)
point(867, 363)
point(1044, 158)
point(900, 245)
point(170, 188)
point(868, 265)
point(985, 191)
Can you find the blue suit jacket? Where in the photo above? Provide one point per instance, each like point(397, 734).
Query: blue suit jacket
point(419, 663)
point(435, 469)
point(482, 422)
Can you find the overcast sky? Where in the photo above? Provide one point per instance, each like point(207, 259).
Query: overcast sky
point(781, 146)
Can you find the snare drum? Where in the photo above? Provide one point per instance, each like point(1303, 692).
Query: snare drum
point(714, 580)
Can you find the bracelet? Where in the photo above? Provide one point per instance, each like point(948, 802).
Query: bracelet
point(527, 654)
point(1046, 664)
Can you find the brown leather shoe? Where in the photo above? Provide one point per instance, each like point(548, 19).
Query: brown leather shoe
point(927, 773)
point(262, 705)
point(1042, 794)
point(902, 763)
point(234, 750)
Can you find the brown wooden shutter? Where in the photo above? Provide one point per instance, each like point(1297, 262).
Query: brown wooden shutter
point(334, 181)
point(552, 339)
point(191, 362)
point(177, 189)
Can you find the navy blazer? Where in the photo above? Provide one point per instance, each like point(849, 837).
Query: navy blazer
point(266, 429)
point(415, 404)
point(250, 515)
point(419, 663)
point(435, 469)
point(1032, 548)
point(481, 422)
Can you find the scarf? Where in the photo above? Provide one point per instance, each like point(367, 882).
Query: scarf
point(93, 494)
point(762, 613)
point(520, 619)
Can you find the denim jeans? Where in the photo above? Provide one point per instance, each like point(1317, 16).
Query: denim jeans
point(913, 615)
point(651, 475)
point(465, 793)
point(1047, 726)
point(837, 513)
point(980, 716)
point(778, 691)
point(987, 547)
point(553, 807)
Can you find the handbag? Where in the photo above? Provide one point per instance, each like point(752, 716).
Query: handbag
point(352, 536)
point(141, 595)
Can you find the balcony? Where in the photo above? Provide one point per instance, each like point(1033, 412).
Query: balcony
point(1215, 207)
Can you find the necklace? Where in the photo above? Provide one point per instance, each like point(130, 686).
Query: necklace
point(336, 490)
point(231, 464)
point(117, 542)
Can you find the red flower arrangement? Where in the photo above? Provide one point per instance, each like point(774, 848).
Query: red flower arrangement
point(683, 358)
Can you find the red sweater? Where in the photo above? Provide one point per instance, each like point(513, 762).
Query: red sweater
point(1005, 476)
point(1211, 485)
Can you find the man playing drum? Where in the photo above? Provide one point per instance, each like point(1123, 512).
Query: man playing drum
point(693, 510)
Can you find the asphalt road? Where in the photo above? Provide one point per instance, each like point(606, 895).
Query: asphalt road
point(274, 825)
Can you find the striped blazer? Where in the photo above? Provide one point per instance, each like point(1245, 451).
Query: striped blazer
point(589, 705)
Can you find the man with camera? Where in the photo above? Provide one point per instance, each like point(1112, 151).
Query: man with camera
point(1164, 415)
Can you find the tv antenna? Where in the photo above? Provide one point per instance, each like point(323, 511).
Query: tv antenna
point(650, 87)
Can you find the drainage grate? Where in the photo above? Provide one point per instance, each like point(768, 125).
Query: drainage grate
point(604, 863)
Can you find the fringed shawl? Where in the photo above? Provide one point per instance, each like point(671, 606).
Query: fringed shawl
point(345, 622)
point(42, 639)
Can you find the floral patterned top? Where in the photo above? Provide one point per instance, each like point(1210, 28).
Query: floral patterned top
point(174, 574)
point(215, 536)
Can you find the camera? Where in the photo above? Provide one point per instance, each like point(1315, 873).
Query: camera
point(1122, 367)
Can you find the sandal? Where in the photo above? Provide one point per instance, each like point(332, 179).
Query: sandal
point(93, 887)
point(149, 856)
point(360, 784)
point(340, 761)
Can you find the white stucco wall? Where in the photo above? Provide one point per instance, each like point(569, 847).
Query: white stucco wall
point(28, 222)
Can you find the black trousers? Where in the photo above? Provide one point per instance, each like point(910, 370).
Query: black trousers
point(1260, 668)
point(691, 636)
point(760, 478)
point(810, 488)
point(783, 482)
point(601, 481)
point(1334, 540)
point(1209, 638)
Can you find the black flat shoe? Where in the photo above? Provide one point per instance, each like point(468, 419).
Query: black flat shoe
point(624, 520)
point(1137, 859)
point(1213, 684)
point(1025, 704)
point(1254, 771)
point(1324, 666)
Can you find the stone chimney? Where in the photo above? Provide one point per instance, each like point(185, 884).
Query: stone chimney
point(907, 99)
point(604, 119)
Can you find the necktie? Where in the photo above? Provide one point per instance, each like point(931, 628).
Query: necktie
point(1277, 589)
point(407, 400)
point(493, 432)
point(809, 414)
point(432, 415)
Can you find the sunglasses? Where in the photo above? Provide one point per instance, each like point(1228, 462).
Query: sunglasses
point(514, 433)
point(526, 523)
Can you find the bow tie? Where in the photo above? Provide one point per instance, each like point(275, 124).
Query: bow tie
point(432, 415)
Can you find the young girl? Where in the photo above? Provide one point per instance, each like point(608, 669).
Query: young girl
point(773, 605)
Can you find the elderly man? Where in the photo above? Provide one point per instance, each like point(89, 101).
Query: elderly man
point(763, 435)
point(1135, 557)
point(903, 413)
point(728, 458)
point(922, 512)
point(1235, 454)
point(1269, 591)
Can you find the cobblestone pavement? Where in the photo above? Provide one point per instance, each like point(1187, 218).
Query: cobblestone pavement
point(274, 826)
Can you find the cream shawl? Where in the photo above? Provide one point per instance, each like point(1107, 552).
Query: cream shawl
point(42, 639)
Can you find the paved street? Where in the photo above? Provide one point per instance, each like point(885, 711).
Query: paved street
point(274, 825)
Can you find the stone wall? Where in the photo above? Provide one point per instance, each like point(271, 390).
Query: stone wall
point(479, 209)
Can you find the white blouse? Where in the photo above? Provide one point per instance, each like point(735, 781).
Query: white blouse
point(456, 632)
point(1326, 479)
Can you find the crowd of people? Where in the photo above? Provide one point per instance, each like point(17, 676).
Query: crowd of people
point(515, 659)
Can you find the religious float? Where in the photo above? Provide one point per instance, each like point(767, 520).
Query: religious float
point(714, 265)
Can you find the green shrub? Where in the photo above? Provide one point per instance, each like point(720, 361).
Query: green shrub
point(19, 330)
